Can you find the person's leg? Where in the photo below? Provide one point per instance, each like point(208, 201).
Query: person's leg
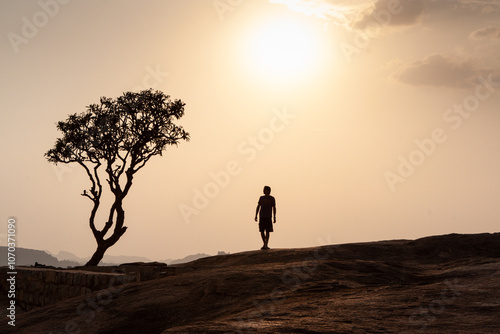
point(269, 229)
point(263, 235)
point(266, 241)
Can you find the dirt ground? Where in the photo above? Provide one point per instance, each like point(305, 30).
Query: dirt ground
point(442, 284)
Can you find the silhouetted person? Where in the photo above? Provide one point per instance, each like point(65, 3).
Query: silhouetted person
point(267, 207)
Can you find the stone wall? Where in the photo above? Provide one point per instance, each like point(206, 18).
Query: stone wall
point(39, 286)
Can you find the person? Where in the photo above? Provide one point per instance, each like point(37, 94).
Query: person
point(266, 209)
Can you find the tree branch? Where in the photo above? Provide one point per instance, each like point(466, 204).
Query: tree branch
point(92, 190)
point(95, 197)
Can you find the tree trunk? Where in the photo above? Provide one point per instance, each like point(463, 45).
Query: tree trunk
point(98, 254)
point(119, 230)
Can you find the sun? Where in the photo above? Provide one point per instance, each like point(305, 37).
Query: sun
point(282, 48)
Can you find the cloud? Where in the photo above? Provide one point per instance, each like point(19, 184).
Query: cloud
point(442, 71)
point(357, 14)
point(393, 13)
point(488, 32)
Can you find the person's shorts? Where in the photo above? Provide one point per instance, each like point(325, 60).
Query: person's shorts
point(265, 224)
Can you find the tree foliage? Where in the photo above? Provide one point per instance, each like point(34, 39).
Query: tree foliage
point(117, 136)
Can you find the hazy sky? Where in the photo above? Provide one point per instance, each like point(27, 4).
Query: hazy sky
point(370, 120)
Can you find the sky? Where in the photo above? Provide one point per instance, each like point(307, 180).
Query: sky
point(369, 119)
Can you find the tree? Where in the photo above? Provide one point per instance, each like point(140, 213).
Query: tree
point(117, 137)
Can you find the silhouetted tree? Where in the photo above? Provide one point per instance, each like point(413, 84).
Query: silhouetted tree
point(117, 137)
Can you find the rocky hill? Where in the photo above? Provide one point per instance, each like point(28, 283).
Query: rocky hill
point(441, 284)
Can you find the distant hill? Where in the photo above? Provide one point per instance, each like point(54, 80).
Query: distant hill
point(63, 259)
point(116, 260)
point(433, 285)
point(62, 255)
point(28, 257)
point(108, 260)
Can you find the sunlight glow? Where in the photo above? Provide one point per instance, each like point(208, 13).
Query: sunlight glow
point(339, 14)
point(283, 48)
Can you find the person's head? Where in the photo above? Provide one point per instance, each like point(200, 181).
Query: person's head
point(267, 190)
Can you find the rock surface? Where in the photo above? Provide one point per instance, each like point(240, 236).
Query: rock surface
point(442, 284)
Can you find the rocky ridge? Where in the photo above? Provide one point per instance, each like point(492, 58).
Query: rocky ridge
point(441, 284)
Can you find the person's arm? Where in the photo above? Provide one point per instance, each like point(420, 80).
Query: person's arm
point(274, 212)
point(257, 211)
